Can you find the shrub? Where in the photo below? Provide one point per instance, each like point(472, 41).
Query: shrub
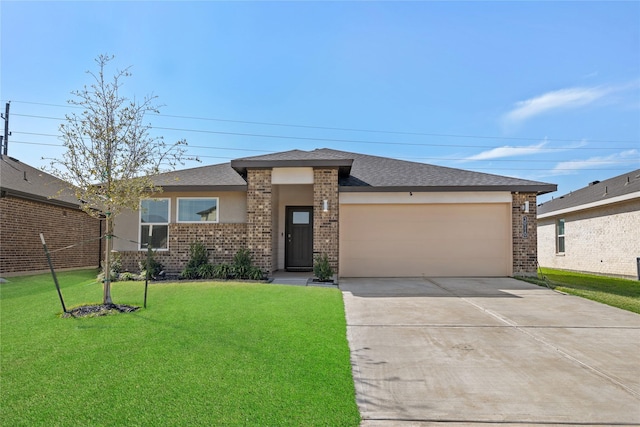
point(126, 276)
point(150, 264)
point(206, 271)
point(322, 269)
point(255, 273)
point(198, 263)
point(222, 271)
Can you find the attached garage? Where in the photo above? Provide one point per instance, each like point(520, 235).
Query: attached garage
point(430, 239)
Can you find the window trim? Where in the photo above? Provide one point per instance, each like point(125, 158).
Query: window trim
point(140, 223)
point(561, 236)
point(217, 199)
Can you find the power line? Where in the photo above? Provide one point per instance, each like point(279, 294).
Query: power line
point(432, 134)
point(595, 162)
point(352, 141)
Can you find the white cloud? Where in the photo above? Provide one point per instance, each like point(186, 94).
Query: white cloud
point(563, 98)
point(573, 166)
point(509, 151)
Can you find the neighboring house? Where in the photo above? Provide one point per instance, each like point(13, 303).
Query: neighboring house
point(372, 216)
point(30, 204)
point(595, 229)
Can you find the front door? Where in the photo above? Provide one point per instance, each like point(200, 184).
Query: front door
point(299, 238)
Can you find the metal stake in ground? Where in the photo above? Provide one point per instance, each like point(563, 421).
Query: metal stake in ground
point(53, 272)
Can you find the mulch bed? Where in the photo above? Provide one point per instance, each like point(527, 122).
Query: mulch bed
point(100, 310)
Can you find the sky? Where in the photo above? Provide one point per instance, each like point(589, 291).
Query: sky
point(547, 91)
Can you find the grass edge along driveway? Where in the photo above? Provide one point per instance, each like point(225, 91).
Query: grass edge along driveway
point(613, 291)
point(201, 354)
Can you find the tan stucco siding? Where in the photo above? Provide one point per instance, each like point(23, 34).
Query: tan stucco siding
point(440, 239)
point(605, 240)
point(232, 209)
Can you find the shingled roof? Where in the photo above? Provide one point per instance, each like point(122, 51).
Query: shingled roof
point(612, 190)
point(358, 173)
point(373, 173)
point(21, 180)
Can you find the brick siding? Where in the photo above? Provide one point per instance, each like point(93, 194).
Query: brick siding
point(604, 240)
point(325, 224)
point(525, 249)
point(221, 240)
point(259, 218)
point(22, 221)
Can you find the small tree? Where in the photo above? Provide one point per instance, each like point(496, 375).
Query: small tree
point(110, 155)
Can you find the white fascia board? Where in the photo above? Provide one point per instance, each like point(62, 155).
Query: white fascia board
point(407, 197)
point(591, 205)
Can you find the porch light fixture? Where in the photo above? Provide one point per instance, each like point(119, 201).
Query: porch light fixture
point(525, 207)
point(325, 205)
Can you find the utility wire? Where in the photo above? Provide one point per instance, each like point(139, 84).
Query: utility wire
point(442, 135)
point(356, 141)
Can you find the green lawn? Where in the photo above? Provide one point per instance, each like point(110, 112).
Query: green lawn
point(201, 354)
point(621, 293)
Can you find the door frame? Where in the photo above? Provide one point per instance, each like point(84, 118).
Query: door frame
point(287, 225)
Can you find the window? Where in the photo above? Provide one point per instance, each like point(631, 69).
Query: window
point(203, 209)
point(560, 236)
point(154, 223)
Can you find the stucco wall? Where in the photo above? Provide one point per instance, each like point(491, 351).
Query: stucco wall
point(603, 240)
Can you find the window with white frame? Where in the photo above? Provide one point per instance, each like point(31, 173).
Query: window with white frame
point(154, 223)
point(197, 209)
point(560, 236)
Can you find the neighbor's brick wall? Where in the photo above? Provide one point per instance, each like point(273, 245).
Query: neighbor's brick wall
point(22, 221)
point(604, 240)
point(221, 240)
point(525, 248)
point(325, 224)
point(259, 218)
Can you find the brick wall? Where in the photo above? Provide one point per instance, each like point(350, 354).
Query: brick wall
point(525, 249)
point(325, 224)
point(604, 240)
point(259, 218)
point(22, 221)
point(221, 240)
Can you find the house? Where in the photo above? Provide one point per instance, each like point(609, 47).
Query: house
point(372, 216)
point(595, 229)
point(30, 204)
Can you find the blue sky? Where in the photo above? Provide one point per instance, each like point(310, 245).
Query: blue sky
point(548, 91)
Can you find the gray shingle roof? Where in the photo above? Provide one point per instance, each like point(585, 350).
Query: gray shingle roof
point(221, 176)
point(597, 191)
point(358, 172)
point(21, 180)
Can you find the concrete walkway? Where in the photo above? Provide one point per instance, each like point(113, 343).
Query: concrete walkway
point(489, 352)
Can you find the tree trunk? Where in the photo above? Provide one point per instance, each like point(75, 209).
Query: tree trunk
point(106, 295)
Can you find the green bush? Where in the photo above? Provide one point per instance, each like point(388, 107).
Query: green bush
point(322, 269)
point(150, 264)
point(198, 266)
point(222, 271)
point(206, 271)
point(255, 273)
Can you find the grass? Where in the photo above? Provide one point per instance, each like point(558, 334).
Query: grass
point(200, 354)
point(621, 293)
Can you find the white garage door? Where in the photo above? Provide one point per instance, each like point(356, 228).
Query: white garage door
point(426, 239)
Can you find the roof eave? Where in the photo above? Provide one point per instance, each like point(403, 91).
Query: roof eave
point(241, 166)
point(27, 196)
point(538, 189)
point(179, 188)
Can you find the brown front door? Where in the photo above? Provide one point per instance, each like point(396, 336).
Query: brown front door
point(299, 238)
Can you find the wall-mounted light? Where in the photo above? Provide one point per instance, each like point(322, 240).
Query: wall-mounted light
point(325, 206)
point(525, 207)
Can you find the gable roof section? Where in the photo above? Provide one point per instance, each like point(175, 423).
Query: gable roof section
point(358, 173)
point(598, 193)
point(26, 182)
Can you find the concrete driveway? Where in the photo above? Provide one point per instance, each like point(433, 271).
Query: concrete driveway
point(489, 351)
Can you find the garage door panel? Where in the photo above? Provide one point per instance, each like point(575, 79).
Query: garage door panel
point(431, 240)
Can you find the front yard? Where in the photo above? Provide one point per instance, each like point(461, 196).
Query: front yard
point(621, 293)
point(201, 354)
